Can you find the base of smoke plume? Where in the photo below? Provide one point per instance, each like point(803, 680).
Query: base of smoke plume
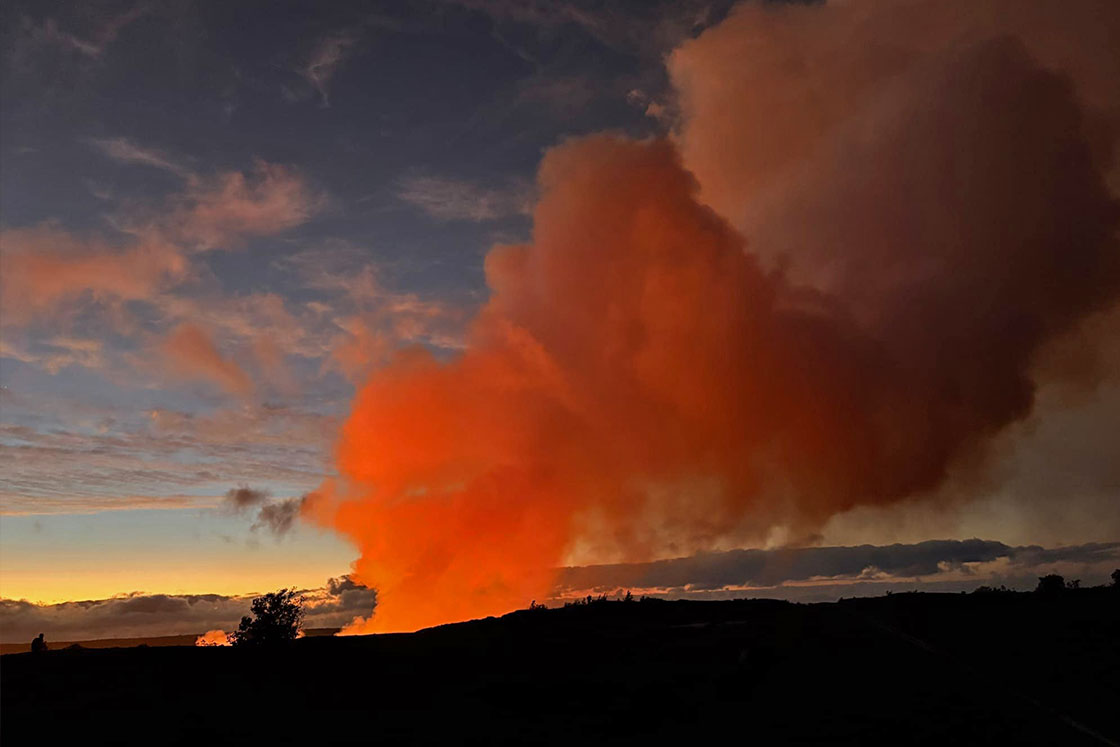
point(827, 574)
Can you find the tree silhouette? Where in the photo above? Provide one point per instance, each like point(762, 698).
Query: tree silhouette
point(1052, 584)
point(1116, 579)
point(277, 618)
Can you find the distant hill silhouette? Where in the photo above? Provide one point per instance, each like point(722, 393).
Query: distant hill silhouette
point(999, 667)
point(187, 639)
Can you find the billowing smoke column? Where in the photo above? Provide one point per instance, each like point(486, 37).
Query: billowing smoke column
point(826, 290)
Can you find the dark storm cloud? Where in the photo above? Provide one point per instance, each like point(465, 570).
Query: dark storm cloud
point(770, 568)
point(138, 614)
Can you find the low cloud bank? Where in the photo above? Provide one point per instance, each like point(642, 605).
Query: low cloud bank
point(807, 574)
point(827, 573)
point(138, 615)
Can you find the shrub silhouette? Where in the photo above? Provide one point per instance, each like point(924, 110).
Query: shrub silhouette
point(588, 600)
point(277, 618)
point(1116, 579)
point(1001, 589)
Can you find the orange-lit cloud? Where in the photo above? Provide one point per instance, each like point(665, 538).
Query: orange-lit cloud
point(191, 354)
point(44, 267)
point(51, 278)
point(269, 199)
point(908, 213)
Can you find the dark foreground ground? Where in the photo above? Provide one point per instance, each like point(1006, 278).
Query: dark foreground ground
point(905, 669)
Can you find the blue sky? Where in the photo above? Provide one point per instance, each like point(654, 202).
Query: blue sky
point(408, 135)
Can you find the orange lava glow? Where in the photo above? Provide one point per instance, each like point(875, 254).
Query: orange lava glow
point(213, 638)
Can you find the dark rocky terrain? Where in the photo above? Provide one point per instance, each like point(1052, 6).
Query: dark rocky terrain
point(999, 668)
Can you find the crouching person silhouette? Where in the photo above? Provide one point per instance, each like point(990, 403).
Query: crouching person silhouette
point(38, 645)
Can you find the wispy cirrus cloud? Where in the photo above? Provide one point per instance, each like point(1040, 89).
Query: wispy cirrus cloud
point(216, 210)
point(325, 59)
point(563, 95)
point(361, 320)
point(65, 456)
point(644, 31)
point(56, 353)
point(450, 199)
point(91, 44)
point(13, 503)
point(126, 151)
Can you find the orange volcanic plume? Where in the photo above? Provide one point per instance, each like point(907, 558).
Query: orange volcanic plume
point(649, 378)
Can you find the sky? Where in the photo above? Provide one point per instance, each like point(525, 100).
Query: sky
point(449, 295)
